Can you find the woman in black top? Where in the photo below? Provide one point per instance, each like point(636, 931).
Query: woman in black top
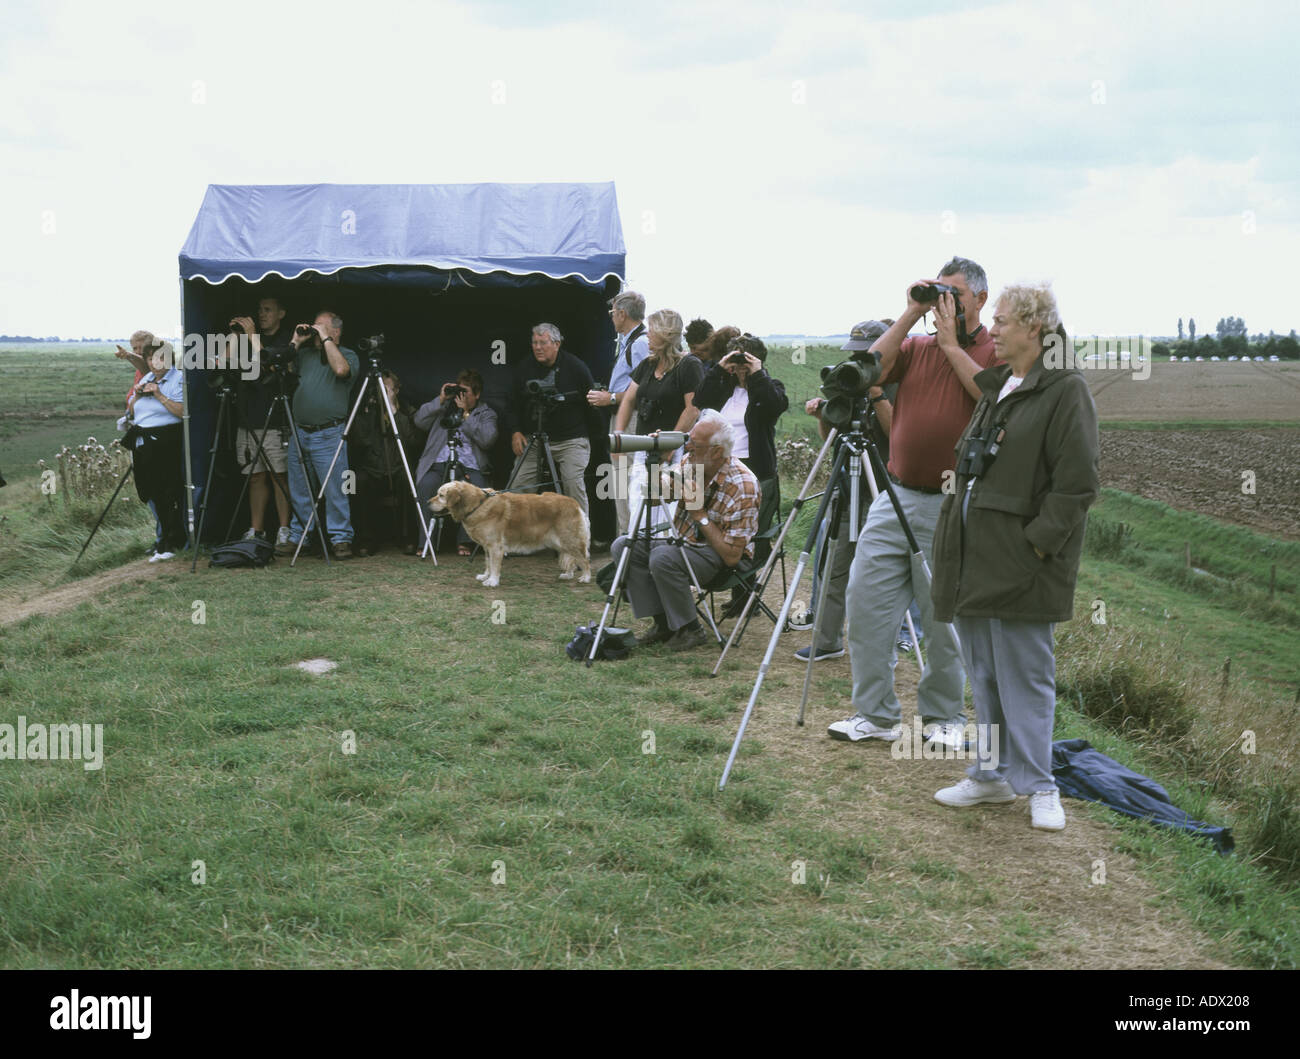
point(739, 388)
point(663, 385)
point(662, 390)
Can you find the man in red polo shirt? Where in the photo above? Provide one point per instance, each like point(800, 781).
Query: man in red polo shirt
point(936, 396)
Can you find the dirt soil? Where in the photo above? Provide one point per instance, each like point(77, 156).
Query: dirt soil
point(1202, 470)
point(69, 596)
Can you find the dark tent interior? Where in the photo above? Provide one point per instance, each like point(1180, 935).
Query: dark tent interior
point(453, 277)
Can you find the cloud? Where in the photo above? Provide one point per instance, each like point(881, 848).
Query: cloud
point(799, 165)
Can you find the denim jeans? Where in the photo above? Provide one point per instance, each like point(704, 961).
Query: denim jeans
point(318, 448)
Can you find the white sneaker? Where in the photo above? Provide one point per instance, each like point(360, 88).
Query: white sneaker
point(948, 736)
point(282, 535)
point(249, 535)
point(1045, 810)
point(802, 654)
point(858, 728)
point(158, 557)
point(974, 792)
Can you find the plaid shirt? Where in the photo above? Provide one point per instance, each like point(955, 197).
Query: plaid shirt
point(731, 501)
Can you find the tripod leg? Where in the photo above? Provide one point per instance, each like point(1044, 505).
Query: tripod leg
point(309, 474)
point(778, 543)
point(212, 466)
point(125, 475)
point(763, 667)
point(615, 590)
point(916, 642)
point(406, 466)
point(519, 466)
point(804, 557)
point(834, 542)
point(556, 482)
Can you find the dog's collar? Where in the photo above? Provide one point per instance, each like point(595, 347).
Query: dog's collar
point(488, 494)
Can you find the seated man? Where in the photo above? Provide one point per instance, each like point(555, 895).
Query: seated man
point(459, 425)
point(717, 527)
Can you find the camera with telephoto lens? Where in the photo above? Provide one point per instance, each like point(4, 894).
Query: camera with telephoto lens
point(979, 452)
point(664, 441)
point(845, 385)
point(924, 293)
point(372, 345)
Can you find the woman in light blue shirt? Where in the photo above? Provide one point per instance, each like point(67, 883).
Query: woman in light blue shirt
point(157, 449)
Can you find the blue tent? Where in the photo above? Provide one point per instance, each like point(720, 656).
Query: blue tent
point(418, 234)
point(451, 274)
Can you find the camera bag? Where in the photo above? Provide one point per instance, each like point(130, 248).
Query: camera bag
point(615, 644)
point(254, 552)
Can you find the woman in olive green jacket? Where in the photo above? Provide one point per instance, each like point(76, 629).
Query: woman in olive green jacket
point(1007, 548)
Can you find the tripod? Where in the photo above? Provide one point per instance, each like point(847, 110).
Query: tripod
point(455, 472)
point(539, 440)
point(641, 528)
point(862, 440)
point(374, 374)
point(225, 423)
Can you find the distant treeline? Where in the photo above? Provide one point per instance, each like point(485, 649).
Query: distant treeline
point(1284, 347)
point(54, 338)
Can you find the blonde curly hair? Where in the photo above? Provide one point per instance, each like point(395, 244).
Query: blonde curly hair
point(1032, 304)
point(665, 338)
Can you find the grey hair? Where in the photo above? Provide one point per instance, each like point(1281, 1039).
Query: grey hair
point(724, 434)
point(336, 320)
point(550, 331)
point(976, 280)
point(631, 303)
point(144, 336)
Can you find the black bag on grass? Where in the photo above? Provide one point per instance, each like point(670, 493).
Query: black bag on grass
point(253, 552)
point(615, 644)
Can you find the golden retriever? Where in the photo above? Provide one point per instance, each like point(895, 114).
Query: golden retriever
point(518, 522)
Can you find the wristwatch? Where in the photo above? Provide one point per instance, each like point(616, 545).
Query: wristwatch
point(704, 521)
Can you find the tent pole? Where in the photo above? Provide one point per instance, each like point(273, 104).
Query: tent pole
point(185, 430)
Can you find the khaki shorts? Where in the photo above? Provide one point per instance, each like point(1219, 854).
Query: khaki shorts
point(273, 447)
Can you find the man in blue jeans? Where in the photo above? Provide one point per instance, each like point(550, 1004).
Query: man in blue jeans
point(326, 371)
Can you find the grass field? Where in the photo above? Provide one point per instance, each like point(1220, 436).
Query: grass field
point(457, 793)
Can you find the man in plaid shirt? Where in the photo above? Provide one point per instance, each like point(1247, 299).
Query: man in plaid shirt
point(717, 529)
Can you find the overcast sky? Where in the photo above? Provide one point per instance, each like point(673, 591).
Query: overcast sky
point(784, 167)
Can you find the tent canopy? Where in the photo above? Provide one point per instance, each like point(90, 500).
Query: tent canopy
point(551, 230)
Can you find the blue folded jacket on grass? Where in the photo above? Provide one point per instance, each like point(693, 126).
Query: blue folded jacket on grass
point(1085, 773)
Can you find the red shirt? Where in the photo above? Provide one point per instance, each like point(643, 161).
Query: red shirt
point(931, 408)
